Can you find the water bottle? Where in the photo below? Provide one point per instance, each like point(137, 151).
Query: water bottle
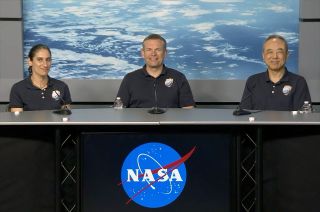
point(118, 104)
point(306, 107)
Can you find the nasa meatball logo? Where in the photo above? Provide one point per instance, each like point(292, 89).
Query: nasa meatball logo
point(55, 94)
point(286, 90)
point(153, 175)
point(168, 82)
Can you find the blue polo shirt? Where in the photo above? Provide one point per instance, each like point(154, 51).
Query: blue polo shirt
point(288, 94)
point(25, 95)
point(169, 90)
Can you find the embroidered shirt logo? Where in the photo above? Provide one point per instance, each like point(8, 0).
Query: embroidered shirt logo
point(169, 82)
point(55, 95)
point(286, 90)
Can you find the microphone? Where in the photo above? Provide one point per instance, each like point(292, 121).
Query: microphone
point(64, 109)
point(156, 109)
point(239, 111)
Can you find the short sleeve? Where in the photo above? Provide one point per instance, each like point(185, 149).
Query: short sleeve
point(246, 102)
point(123, 91)
point(15, 98)
point(301, 94)
point(185, 93)
point(66, 94)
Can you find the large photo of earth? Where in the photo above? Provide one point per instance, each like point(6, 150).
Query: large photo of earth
point(207, 39)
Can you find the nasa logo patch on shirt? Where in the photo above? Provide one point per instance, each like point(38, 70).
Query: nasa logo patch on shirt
point(286, 90)
point(55, 94)
point(168, 82)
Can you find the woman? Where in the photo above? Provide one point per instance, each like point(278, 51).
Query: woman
point(31, 168)
point(39, 91)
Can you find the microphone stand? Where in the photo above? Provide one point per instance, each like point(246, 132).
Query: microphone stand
point(239, 111)
point(64, 109)
point(156, 109)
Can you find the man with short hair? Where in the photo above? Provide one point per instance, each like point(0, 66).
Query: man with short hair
point(155, 85)
point(277, 88)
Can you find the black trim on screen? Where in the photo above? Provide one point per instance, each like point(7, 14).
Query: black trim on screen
point(309, 19)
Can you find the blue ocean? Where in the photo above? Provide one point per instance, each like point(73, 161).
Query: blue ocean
point(207, 39)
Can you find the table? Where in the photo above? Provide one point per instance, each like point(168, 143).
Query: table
point(27, 133)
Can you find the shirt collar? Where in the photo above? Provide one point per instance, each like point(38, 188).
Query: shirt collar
point(284, 78)
point(146, 74)
point(30, 85)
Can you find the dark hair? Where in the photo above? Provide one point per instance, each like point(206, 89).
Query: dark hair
point(277, 37)
point(34, 50)
point(155, 37)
